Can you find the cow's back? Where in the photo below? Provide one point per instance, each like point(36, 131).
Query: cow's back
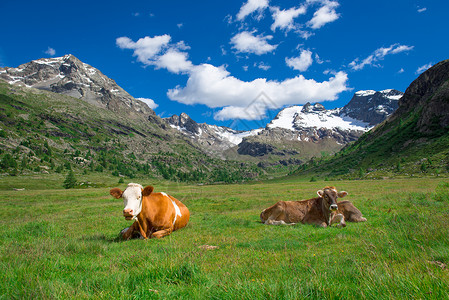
point(163, 211)
point(350, 212)
point(181, 221)
point(287, 211)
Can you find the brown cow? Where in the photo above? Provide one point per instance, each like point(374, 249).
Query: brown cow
point(156, 214)
point(322, 211)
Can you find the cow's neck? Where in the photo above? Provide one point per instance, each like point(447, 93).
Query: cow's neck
point(325, 211)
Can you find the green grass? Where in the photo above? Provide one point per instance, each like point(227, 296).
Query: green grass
point(57, 243)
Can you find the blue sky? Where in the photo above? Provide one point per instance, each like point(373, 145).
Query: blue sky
point(221, 61)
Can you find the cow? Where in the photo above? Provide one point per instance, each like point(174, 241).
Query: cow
point(155, 215)
point(323, 211)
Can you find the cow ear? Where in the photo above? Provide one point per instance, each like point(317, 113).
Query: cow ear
point(116, 193)
point(147, 190)
point(342, 194)
point(320, 193)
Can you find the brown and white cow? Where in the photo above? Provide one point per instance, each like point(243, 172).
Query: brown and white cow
point(322, 211)
point(156, 214)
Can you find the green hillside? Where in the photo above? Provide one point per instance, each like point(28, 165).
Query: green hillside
point(44, 132)
point(413, 141)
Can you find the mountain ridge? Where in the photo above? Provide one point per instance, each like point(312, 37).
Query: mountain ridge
point(413, 140)
point(69, 76)
point(310, 123)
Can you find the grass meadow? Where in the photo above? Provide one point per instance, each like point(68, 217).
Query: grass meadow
point(62, 244)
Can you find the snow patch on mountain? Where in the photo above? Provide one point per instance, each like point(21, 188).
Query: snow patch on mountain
point(365, 93)
point(297, 117)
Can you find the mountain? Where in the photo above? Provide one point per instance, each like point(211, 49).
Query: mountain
point(413, 140)
point(213, 139)
point(59, 114)
point(298, 131)
point(372, 107)
point(309, 131)
point(69, 76)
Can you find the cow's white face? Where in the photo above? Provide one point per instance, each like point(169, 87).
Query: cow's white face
point(132, 199)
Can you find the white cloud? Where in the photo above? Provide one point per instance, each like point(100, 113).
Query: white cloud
point(318, 59)
point(174, 61)
point(424, 68)
point(50, 51)
point(145, 48)
point(158, 51)
point(401, 48)
point(283, 19)
point(262, 66)
point(247, 42)
point(150, 102)
point(329, 71)
point(401, 71)
point(378, 55)
point(304, 34)
point(325, 14)
point(420, 10)
point(251, 6)
point(223, 50)
point(301, 63)
point(180, 25)
point(215, 87)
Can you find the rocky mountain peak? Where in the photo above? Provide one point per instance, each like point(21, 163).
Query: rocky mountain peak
point(371, 106)
point(70, 76)
point(185, 123)
point(309, 108)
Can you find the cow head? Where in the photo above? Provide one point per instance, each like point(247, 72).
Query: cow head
point(132, 198)
point(330, 195)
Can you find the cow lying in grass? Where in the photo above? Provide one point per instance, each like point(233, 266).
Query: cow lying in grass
point(322, 211)
point(156, 214)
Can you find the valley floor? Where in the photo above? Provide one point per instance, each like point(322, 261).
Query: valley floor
point(57, 243)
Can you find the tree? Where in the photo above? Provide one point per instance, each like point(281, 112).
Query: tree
point(70, 180)
point(8, 162)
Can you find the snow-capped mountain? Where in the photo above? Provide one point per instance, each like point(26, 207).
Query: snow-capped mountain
point(297, 126)
point(68, 75)
point(214, 139)
point(315, 116)
point(371, 106)
point(310, 124)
